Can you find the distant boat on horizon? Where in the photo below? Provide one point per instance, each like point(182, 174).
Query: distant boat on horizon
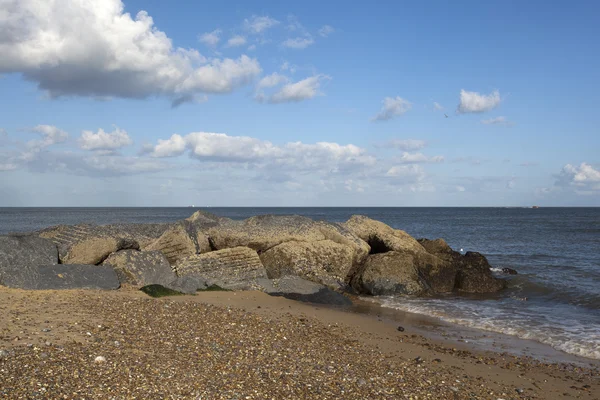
point(535, 206)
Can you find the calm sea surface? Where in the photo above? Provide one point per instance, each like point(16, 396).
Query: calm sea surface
point(555, 250)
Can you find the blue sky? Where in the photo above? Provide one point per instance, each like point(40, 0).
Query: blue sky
point(110, 103)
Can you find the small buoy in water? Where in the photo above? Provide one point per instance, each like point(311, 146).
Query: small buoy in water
point(461, 250)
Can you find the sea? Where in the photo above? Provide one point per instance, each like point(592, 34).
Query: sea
point(554, 299)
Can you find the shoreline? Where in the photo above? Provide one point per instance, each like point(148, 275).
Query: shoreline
point(51, 320)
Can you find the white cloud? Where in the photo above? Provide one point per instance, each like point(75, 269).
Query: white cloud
point(272, 80)
point(104, 141)
point(583, 178)
point(174, 146)
point(326, 30)
point(237, 40)
point(473, 102)
point(219, 147)
point(417, 158)
point(406, 144)
point(392, 107)
point(407, 173)
point(210, 39)
point(51, 135)
point(460, 188)
point(298, 43)
point(298, 91)
point(256, 24)
point(252, 47)
point(91, 48)
point(496, 121)
point(7, 166)
point(438, 106)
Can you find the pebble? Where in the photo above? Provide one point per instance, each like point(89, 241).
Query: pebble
point(99, 360)
point(400, 329)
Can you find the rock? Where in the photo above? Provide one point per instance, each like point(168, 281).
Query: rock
point(381, 237)
point(86, 244)
point(391, 273)
point(203, 220)
point(179, 241)
point(325, 261)
point(236, 268)
point(473, 274)
point(400, 329)
point(19, 251)
point(296, 288)
point(188, 284)
point(99, 360)
point(509, 271)
point(141, 268)
point(63, 276)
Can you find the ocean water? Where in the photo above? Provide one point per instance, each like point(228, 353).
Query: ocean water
point(555, 298)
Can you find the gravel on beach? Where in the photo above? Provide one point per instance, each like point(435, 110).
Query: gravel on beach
point(99, 346)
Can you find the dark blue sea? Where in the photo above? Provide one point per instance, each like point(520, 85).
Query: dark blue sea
point(555, 250)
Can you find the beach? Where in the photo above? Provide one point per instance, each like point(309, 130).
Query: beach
point(248, 345)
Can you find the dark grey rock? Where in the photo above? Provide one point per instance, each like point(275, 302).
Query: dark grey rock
point(18, 251)
point(296, 288)
point(187, 284)
point(63, 276)
point(141, 268)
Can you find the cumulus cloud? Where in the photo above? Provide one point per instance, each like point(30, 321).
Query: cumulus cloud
point(438, 106)
point(583, 178)
point(290, 92)
point(408, 173)
point(496, 121)
point(104, 140)
point(90, 48)
point(418, 158)
point(259, 24)
point(50, 135)
point(326, 30)
point(237, 40)
point(298, 43)
point(219, 147)
point(405, 144)
point(473, 102)
point(392, 107)
point(210, 39)
point(272, 80)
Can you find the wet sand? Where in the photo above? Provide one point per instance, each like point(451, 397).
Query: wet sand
point(248, 345)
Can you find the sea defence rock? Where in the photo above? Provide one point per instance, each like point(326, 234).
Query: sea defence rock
point(296, 288)
point(19, 251)
point(179, 241)
point(86, 244)
point(381, 237)
point(63, 276)
point(324, 261)
point(141, 268)
point(473, 273)
point(235, 268)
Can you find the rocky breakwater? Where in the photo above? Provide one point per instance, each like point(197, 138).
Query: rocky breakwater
point(284, 255)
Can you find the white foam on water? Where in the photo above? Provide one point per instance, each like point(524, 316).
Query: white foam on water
point(546, 326)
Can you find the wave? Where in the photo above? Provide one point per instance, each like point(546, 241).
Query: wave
point(563, 333)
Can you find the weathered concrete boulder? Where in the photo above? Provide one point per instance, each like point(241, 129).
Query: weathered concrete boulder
point(203, 220)
point(325, 261)
point(141, 268)
point(235, 268)
point(264, 232)
point(474, 275)
point(473, 271)
point(381, 237)
point(296, 288)
point(86, 244)
point(63, 276)
point(391, 273)
point(188, 284)
point(179, 241)
point(19, 251)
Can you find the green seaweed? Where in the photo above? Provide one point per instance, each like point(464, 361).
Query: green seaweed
point(213, 288)
point(160, 291)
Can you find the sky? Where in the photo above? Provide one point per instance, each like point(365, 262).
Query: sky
point(270, 103)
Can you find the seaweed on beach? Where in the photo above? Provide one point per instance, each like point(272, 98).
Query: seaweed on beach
point(160, 291)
